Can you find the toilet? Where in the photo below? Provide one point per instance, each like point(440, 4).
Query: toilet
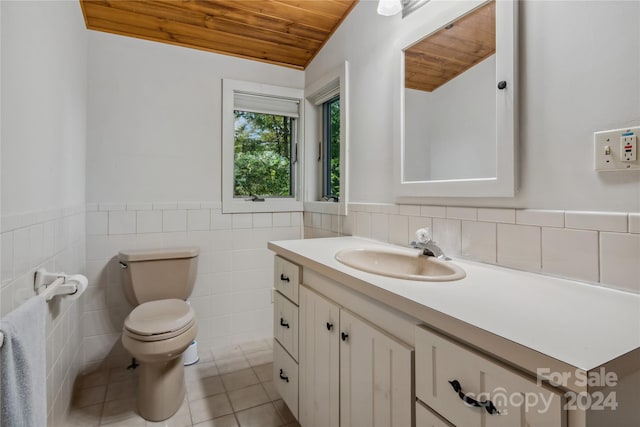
point(161, 326)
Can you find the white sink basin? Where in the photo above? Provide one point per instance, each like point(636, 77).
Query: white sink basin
point(402, 265)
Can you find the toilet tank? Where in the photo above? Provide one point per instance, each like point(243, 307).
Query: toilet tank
point(154, 274)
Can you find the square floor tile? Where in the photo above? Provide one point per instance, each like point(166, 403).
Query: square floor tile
point(88, 396)
point(89, 416)
point(233, 364)
point(248, 397)
point(226, 421)
point(270, 388)
point(260, 357)
point(240, 379)
point(228, 352)
point(260, 416)
point(210, 408)
point(92, 379)
point(121, 390)
point(200, 370)
point(203, 387)
point(118, 410)
point(264, 372)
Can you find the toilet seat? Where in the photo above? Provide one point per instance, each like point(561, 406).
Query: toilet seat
point(159, 320)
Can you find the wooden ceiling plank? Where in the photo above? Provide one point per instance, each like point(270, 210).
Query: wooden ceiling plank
point(190, 42)
point(332, 9)
point(229, 12)
point(191, 17)
point(280, 11)
point(149, 22)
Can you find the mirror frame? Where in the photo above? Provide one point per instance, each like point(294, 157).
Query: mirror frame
point(504, 184)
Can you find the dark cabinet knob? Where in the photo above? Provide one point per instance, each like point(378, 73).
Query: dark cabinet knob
point(344, 336)
point(284, 278)
point(283, 377)
point(502, 84)
point(284, 323)
point(486, 404)
point(329, 326)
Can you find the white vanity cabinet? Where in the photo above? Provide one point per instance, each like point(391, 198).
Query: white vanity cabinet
point(518, 400)
point(351, 373)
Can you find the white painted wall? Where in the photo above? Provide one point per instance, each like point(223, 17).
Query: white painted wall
point(452, 130)
point(44, 105)
point(154, 118)
point(43, 115)
point(569, 89)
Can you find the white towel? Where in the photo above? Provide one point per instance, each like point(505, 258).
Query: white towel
point(23, 377)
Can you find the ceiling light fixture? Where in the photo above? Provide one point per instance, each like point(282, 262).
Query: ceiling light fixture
point(389, 7)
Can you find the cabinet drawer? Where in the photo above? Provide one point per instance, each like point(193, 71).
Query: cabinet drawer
point(426, 418)
point(285, 324)
point(286, 278)
point(517, 398)
point(285, 377)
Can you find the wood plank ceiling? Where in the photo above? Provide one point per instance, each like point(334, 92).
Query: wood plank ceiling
point(283, 32)
point(452, 50)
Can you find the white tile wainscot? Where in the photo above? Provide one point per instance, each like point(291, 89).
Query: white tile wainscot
point(526, 239)
point(506, 319)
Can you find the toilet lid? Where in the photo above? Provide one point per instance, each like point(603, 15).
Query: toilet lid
point(159, 317)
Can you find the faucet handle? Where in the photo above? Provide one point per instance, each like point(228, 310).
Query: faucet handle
point(423, 235)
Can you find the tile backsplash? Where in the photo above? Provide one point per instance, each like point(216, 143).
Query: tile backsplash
point(232, 294)
point(53, 239)
point(595, 247)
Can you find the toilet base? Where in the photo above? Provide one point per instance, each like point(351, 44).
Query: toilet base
point(161, 389)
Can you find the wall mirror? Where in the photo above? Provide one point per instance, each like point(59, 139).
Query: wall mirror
point(458, 134)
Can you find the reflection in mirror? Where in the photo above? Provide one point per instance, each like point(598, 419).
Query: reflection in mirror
point(450, 101)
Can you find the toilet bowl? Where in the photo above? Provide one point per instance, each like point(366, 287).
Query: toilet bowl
point(161, 326)
point(156, 333)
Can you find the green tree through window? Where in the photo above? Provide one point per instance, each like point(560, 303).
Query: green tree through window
point(331, 136)
point(262, 154)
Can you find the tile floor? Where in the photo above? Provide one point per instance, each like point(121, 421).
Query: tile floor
point(228, 387)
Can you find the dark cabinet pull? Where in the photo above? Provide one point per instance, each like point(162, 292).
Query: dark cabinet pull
point(344, 336)
point(329, 326)
point(283, 377)
point(502, 85)
point(284, 278)
point(284, 323)
point(486, 404)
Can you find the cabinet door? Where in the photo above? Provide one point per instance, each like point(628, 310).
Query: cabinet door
point(319, 347)
point(375, 376)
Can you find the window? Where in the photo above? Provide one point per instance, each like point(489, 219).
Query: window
point(327, 143)
point(331, 149)
point(261, 124)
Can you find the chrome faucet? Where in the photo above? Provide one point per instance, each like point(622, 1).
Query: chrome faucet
point(429, 247)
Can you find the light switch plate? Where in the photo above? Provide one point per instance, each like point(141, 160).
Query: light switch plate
point(607, 152)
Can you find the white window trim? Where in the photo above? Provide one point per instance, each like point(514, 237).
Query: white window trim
point(315, 94)
point(231, 204)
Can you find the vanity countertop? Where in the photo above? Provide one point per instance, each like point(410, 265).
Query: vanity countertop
point(548, 321)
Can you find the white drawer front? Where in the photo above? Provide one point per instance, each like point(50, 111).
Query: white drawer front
point(440, 361)
point(285, 324)
point(286, 278)
point(426, 418)
point(285, 377)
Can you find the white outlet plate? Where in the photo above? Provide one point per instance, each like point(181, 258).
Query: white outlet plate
point(613, 161)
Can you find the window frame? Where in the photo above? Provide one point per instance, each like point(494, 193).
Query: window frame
point(230, 203)
point(326, 149)
point(323, 89)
